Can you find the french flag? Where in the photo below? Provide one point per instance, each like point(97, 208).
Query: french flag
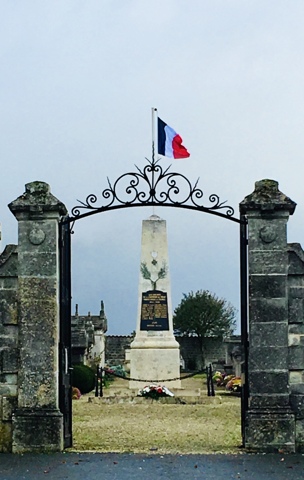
point(169, 142)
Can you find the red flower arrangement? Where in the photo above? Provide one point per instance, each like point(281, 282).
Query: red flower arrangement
point(155, 392)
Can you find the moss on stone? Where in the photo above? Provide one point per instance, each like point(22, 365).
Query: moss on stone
point(267, 196)
point(5, 437)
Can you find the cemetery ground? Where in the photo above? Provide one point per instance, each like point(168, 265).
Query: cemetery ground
point(213, 426)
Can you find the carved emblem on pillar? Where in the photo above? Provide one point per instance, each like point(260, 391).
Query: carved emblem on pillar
point(36, 236)
point(267, 234)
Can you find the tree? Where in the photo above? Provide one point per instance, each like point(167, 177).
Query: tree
point(203, 314)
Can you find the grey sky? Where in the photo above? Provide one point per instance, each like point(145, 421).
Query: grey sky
point(78, 80)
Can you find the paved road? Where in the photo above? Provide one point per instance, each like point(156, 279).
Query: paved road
point(90, 466)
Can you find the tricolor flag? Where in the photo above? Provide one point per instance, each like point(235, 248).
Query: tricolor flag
point(169, 142)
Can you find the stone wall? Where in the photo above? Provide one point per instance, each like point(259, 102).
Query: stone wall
point(115, 348)
point(216, 351)
point(9, 343)
point(296, 338)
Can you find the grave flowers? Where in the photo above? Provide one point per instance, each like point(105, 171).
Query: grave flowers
point(76, 394)
point(234, 385)
point(155, 391)
point(230, 382)
point(221, 379)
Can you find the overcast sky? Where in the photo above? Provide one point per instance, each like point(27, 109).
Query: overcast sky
point(78, 80)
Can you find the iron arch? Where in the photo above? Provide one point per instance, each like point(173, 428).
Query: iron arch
point(152, 186)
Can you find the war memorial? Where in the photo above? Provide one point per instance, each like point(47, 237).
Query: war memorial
point(154, 353)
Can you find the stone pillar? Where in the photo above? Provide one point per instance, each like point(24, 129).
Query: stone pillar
point(37, 421)
point(270, 423)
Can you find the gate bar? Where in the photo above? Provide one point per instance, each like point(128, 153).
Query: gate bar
point(244, 321)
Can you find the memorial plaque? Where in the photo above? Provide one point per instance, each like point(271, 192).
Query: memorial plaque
point(154, 311)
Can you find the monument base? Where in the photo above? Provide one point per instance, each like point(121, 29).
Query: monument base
point(155, 359)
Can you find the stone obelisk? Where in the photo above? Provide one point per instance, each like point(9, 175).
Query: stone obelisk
point(154, 353)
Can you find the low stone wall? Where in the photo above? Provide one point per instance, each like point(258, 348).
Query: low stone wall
point(9, 344)
point(295, 338)
point(115, 348)
point(191, 352)
point(216, 351)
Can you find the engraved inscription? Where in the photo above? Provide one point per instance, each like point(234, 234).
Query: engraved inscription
point(154, 311)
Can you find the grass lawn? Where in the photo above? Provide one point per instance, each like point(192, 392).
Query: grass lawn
point(214, 426)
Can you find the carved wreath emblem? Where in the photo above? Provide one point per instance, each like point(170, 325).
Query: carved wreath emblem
point(147, 275)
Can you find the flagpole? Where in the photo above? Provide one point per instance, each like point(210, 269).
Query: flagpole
point(154, 117)
point(154, 145)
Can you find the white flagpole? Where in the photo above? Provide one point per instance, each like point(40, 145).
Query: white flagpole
point(154, 139)
point(154, 142)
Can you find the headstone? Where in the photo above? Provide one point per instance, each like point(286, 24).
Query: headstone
point(154, 353)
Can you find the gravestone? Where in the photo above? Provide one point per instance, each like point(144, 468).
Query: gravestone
point(154, 353)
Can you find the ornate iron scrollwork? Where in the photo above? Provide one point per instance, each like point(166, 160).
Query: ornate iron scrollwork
point(152, 186)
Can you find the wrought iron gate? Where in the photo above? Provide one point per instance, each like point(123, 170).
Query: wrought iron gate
point(65, 364)
point(244, 318)
point(150, 186)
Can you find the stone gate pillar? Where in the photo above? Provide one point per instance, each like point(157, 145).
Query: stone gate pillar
point(37, 422)
point(270, 424)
